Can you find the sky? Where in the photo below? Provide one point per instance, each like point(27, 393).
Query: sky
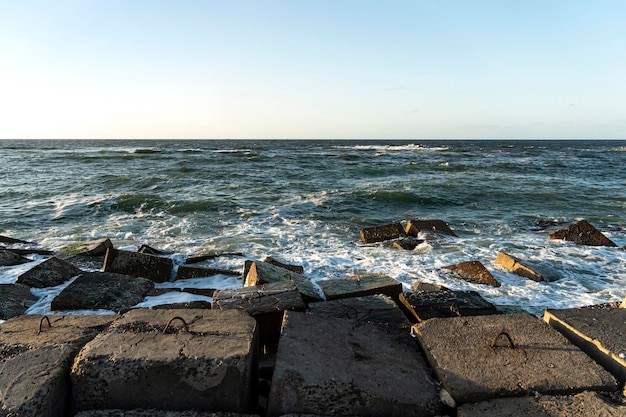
point(313, 69)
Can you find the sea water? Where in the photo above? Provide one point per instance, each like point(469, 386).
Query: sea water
point(304, 203)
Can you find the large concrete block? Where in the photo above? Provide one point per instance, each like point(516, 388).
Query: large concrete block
point(264, 272)
point(485, 357)
point(382, 233)
point(582, 233)
point(344, 368)
point(600, 332)
point(14, 300)
point(137, 264)
point(10, 259)
point(521, 268)
point(424, 305)
point(413, 227)
point(473, 271)
point(187, 272)
point(175, 360)
point(360, 286)
point(585, 404)
point(50, 273)
point(36, 354)
point(158, 413)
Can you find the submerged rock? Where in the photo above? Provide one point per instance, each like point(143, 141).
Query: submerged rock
point(582, 233)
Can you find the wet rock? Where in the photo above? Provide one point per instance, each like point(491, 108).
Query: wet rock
point(176, 360)
point(473, 271)
point(211, 255)
point(199, 304)
point(14, 300)
point(153, 267)
point(264, 273)
point(102, 290)
point(11, 240)
point(413, 227)
point(10, 259)
point(506, 355)
point(295, 268)
point(30, 251)
point(97, 247)
point(582, 233)
point(342, 368)
point(158, 413)
point(50, 273)
point(406, 244)
point(428, 286)
point(151, 251)
point(523, 268)
point(382, 233)
point(360, 285)
point(188, 272)
point(423, 305)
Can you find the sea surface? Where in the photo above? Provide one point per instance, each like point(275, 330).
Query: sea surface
point(304, 202)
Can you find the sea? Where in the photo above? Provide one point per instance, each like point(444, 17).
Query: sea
point(304, 202)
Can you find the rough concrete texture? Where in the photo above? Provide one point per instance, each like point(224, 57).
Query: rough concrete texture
point(475, 361)
point(187, 272)
point(9, 258)
point(382, 233)
point(413, 227)
point(585, 404)
point(97, 247)
point(378, 309)
point(424, 305)
point(50, 273)
point(264, 273)
point(600, 332)
point(36, 364)
point(14, 300)
point(360, 285)
point(204, 360)
point(342, 368)
point(102, 290)
point(157, 413)
point(582, 233)
point(518, 267)
point(153, 267)
point(473, 271)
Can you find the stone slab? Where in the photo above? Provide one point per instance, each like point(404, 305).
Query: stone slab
point(187, 272)
point(204, 360)
point(381, 233)
point(153, 267)
point(473, 271)
point(600, 332)
point(519, 267)
point(7, 239)
point(343, 368)
point(49, 273)
point(8, 258)
point(585, 404)
point(377, 309)
point(360, 285)
point(582, 233)
point(413, 227)
point(264, 273)
point(295, 268)
point(424, 305)
point(102, 290)
point(158, 413)
point(14, 300)
point(474, 364)
point(36, 364)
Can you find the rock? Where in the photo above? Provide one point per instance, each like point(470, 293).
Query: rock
point(102, 290)
point(203, 360)
point(36, 358)
point(30, 251)
point(428, 286)
point(413, 227)
point(295, 268)
point(10, 259)
point(7, 239)
point(360, 285)
point(582, 233)
point(50, 273)
point(519, 267)
point(339, 367)
point(264, 273)
point(599, 332)
point(473, 271)
point(153, 267)
point(266, 303)
point(14, 300)
point(203, 257)
point(97, 247)
point(187, 272)
point(382, 233)
point(506, 355)
point(199, 304)
point(406, 244)
point(150, 250)
point(158, 413)
point(423, 305)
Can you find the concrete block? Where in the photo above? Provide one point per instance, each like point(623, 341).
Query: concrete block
point(8, 258)
point(519, 267)
point(97, 247)
point(413, 227)
point(342, 368)
point(473, 271)
point(424, 305)
point(7, 239)
point(14, 300)
point(382, 233)
point(50, 273)
point(360, 285)
point(158, 413)
point(585, 404)
point(506, 355)
point(582, 233)
point(600, 332)
point(36, 355)
point(153, 267)
point(187, 272)
point(175, 360)
point(264, 273)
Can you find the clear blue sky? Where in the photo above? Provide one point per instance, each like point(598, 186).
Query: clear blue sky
point(313, 69)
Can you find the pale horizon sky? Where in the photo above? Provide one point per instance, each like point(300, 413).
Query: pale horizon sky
point(448, 69)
